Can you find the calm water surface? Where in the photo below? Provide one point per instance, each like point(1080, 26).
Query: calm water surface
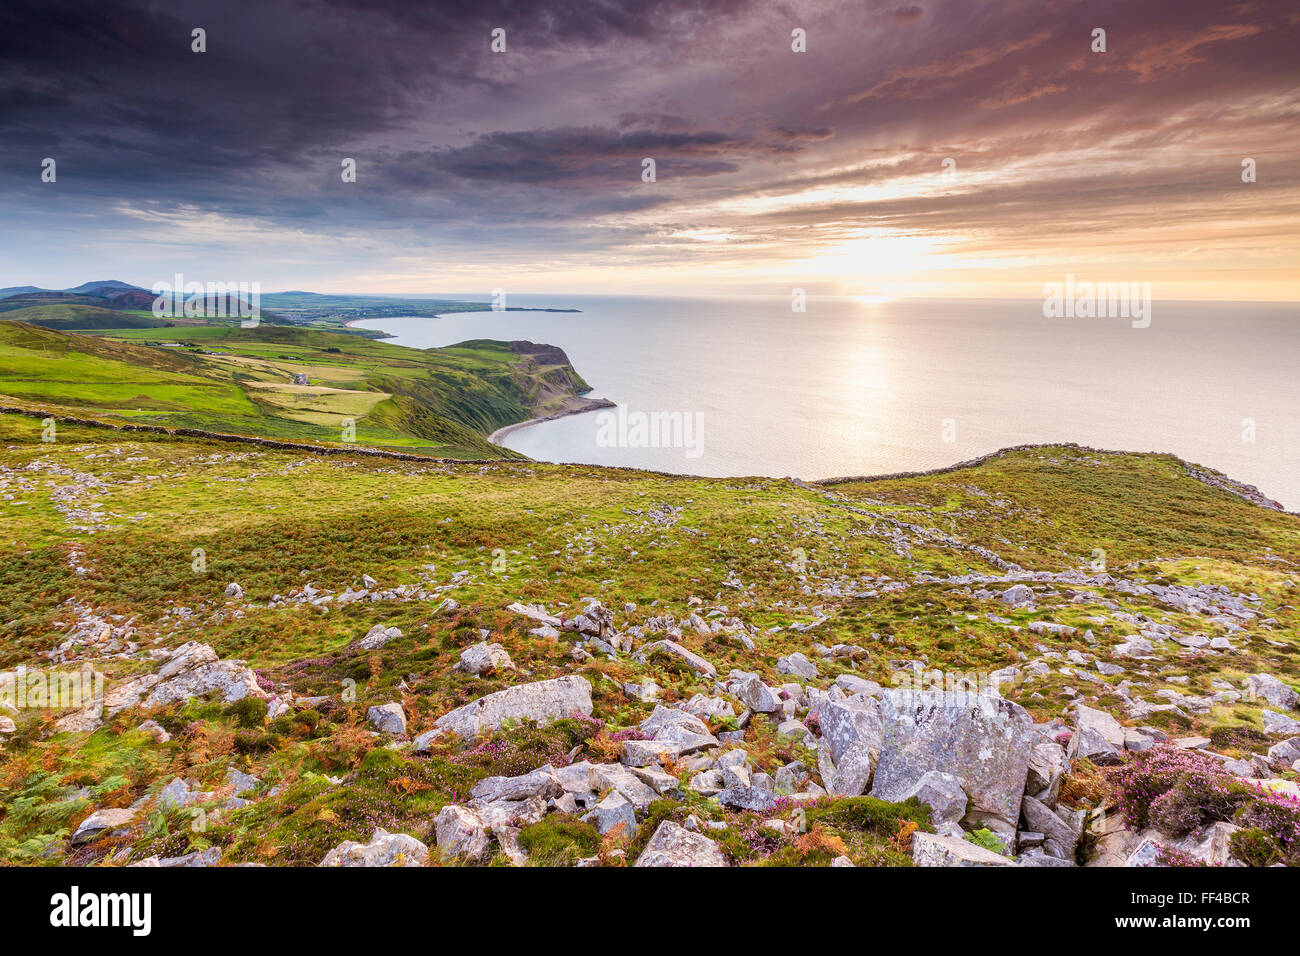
point(853, 388)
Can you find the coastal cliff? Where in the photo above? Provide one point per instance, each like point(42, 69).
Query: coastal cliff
point(291, 385)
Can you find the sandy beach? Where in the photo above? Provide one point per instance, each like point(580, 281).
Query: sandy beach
point(588, 405)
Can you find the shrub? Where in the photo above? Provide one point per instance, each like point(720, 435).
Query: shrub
point(518, 750)
point(247, 712)
point(1194, 802)
point(1171, 856)
point(1181, 792)
point(1149, 775)
point(254, 742)
point(1278, 816)
point(1254, 847)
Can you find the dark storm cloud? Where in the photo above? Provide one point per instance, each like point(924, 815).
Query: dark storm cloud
point(114, 86)
point(542, 147)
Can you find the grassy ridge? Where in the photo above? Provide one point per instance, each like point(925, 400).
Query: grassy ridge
point(68, 316)
point(131, 511)
point(224, 378)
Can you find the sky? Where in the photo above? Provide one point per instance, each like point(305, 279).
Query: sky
point(931, 148)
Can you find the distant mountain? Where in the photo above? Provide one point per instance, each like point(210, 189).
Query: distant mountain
point(18, 290)
point(103, 284)
point(102, 294)
point(101, 287)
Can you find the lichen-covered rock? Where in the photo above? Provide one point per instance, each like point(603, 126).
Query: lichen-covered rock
point(753, 692)
point(671, 648)
point(613, 776)
point(614, 811)
point(1016, 595)
point(498, 813)
point(1046, 771)
point(459, 832)
point(796, 664)
point(643, 753)
point(931, 849)
point(384, 849)
point(378, 636)
point(484, 658)
point(741, 797)
point(1097, 736)
point(209, 857)
point(1269, 688)
point(983, 741)
point(853, 685)
point(1278, 723)
point(852, 732)
point(942, 793)
point(543, 701)
point(673, 845)
point(100, 822)
point(541, 782)
point(387, 718)
point(679, 727)
point(193, 670)
point(1060, 835)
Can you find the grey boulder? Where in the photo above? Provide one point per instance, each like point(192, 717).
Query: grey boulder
point(852, 733)
point(673, 845)
point(542, 701)
point(387, 718)
point(943, 794)
point(1269, 688)
point(984, 742)
point(484, 658)
point(384, 849)
point(931, 849)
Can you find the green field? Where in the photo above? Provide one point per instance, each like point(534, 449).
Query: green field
point(68, 316)
point(441, 402)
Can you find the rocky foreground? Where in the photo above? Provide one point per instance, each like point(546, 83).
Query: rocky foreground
point(805, 687)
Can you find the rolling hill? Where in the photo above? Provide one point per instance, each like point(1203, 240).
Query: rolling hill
point(291, 384)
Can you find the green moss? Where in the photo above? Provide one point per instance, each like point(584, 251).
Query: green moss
point(559, 840)
point(870, 815)
point(248, 712)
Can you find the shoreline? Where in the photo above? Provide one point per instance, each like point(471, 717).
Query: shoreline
point(389, 335)
point(583, 404)
point(589, 405)
point(1197, 472)
point(1204, 474)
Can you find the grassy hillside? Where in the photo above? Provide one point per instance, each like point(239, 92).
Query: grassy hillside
point(71, 315)
point(440, 402)
point(104, 527)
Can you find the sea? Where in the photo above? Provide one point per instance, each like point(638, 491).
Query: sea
point(747, 386)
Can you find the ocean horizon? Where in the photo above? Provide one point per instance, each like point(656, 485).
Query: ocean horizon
point(742, 385)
